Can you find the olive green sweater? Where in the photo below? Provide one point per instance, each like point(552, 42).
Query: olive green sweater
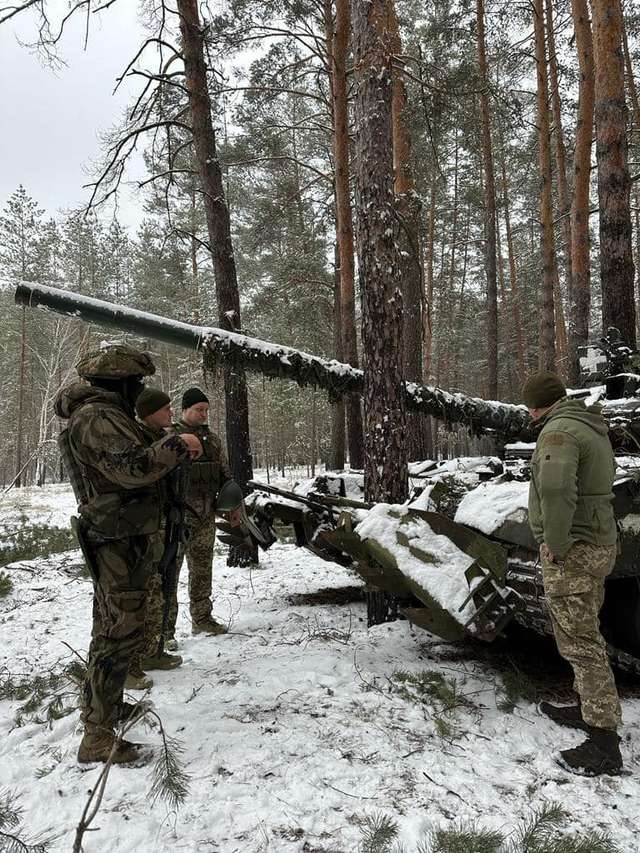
point(572, 472)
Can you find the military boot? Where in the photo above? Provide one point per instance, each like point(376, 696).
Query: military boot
point(599, 753)
point(208, 626)
point(137, 679)
point(163, 661)
point(98, 746)
point(564, 715)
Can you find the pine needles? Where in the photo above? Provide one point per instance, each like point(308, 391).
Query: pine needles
point(541, 832)
point(170, 781)
point(29, 542)
point(46, 697)
point(12, 839)
point(515, 687)
point(378, 832)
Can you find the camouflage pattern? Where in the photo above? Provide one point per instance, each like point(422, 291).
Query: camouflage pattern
point(199, 554)
point(154, 602)
point(206, 476)
point(116, 361)
point(122, 472)
point(575, 593)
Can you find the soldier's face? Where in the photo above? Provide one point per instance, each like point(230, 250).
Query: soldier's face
point(196, 415)
point(160, 419)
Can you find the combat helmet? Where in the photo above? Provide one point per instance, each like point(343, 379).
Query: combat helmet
point(115, 361)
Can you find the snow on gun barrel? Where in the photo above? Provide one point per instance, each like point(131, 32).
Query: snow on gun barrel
point(448, 578)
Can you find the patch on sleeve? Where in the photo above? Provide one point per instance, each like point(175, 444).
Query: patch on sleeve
point(553, 438)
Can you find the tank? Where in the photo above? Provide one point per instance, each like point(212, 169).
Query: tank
point(471, 510)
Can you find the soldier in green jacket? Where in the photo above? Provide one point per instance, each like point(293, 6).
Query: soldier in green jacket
point(207, 475)
point(115, 472)
point(571, 516)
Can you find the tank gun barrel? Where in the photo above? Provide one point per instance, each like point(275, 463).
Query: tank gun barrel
point(273, 360)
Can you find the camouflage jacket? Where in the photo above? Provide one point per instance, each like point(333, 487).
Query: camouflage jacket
point(207, 473)
point(572, 472)
point(120, 467)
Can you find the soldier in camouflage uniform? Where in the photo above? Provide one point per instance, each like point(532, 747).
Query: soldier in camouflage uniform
point(571, 516)
point(153, 408)
point(207, 475)
point(115, 473)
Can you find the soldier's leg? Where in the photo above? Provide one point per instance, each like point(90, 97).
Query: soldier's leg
point(154, 603)
point(173, 599)
point(575, 598)
point(117, 628)
point(199, 552)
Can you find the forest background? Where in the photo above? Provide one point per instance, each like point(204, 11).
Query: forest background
point(489, 177)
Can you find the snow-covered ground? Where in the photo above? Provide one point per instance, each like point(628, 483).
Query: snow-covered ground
point(291, 726)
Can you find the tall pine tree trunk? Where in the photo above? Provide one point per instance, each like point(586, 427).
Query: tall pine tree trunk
point(337, 49)
point(616, 255)
point(489, 210)
point(408, 208)
point(580, 242)
point(516, 316)
point(219, 231)
point(547, 360)
point(337, 408)
point(385, 476)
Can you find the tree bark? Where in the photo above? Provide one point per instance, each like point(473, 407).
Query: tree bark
point(521, 351)
point(564, 196)
point(564, 203)
point(338, 43)
point(490, 211)
point(616, 255)
point(547, 359)
point(337, 407)
point(219, 231)
point(580, 242)
point(408, 208)
point(386, 474)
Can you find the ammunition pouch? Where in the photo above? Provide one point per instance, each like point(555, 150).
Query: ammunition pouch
point(204, 478)
point(116, 515)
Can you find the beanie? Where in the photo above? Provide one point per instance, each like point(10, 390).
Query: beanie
point(542, 390)
point(150, 401)
point(192, 396)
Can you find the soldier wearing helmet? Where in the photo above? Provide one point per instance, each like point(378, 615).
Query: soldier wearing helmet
point(115, 473)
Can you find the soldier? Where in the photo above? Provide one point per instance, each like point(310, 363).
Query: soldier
point(153, 408)
point(114, 472)
point(207, 475)
point(571, 517)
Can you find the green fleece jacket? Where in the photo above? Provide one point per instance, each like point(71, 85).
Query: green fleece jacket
point(572, 472)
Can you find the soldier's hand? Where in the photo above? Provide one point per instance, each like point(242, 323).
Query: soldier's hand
point(235, 517)
point(193, 444)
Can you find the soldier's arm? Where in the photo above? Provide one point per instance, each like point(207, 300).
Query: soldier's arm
point(559, 457)
point(107, 442)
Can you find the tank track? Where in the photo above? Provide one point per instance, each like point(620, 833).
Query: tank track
point(525, 578)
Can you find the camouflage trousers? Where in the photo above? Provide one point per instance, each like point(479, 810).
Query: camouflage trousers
point(118, 619)
point(575, 594)
point(199, 554)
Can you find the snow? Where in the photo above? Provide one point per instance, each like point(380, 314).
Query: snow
point(52, 506)
point(444, 579)
point(290, 728)
point(488, 506)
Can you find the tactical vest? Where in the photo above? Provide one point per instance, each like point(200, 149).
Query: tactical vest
point(113, 513)
point(205, 474)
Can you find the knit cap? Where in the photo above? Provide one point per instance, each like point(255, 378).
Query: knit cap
point(150, 401)
point(192, 396)
point(542, 390)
